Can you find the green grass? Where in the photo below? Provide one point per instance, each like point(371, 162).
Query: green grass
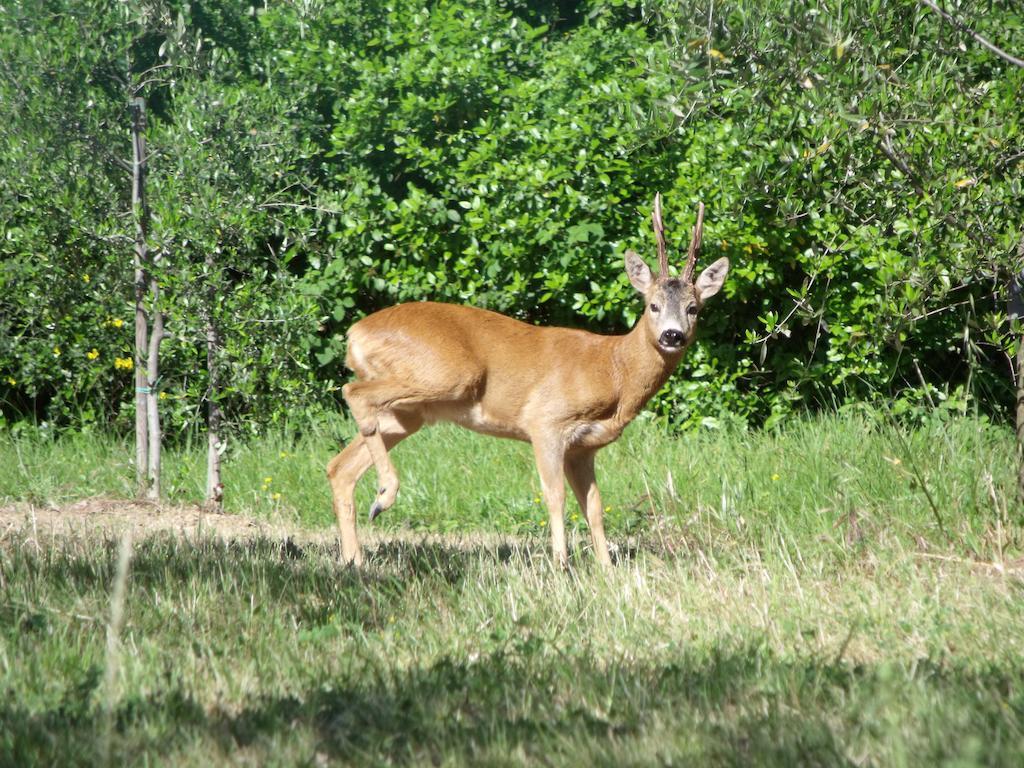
point(815, 478)
point(792, 601)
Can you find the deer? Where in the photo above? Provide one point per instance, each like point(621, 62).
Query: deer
point(566, 392)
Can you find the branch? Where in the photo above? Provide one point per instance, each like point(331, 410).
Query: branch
point(894, 157)
point(145, 78)
point(967, 30)
point(1008, 161)
point(270, 205)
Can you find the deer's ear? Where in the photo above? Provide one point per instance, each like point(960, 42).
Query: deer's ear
point(711, 279)
point(638, 272)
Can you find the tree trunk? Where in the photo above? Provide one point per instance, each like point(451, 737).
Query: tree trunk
point(1020, 418)
point(152, 400)
point(1015, 312)
point(214, 486)
point(147, 340)
point(141, 214)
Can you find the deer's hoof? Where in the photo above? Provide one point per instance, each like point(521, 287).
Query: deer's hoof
point(385, 499)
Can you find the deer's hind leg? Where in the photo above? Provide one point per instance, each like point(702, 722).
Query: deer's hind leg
point(345, 469)
point(369, 401)
point(372, 401)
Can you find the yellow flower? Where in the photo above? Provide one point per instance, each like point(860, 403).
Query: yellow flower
point(536, 499)
point(276, 497)
point(124, 363)
point(92, 354)
point(607, 509)
point(775, 477)
point(11, 381)
point(85, 278)
point(267, 480)
point(117, 322)
point(56, 351)
point(163, 395)
point(283, 454)
point(543, 523)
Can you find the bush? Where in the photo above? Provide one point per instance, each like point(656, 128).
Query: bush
point(860, 161)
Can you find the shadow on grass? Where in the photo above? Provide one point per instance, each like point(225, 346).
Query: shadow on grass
point(162, 558)
point(306, 580)
point(523, 704)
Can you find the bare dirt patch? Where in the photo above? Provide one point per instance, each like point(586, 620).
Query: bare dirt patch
point(109, 517)
point(101, 515)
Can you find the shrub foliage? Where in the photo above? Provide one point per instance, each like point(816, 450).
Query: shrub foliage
point(861, 163)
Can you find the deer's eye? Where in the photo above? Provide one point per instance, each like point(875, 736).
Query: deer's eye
point(655, 308)
point(691, 310)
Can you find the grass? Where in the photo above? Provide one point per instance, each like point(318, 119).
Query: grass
point(818, 477)
point(788, 598)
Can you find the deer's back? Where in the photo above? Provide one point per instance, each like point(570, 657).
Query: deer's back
point(486, 370)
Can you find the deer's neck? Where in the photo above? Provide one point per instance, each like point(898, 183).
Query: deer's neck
point(641, 369)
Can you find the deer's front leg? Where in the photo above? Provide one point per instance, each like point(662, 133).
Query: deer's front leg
point(579, 470)
point(549, 454)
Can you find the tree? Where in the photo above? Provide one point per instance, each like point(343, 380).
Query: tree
point(233, 208)
point(85, 86)
point(84, 92)
point(147, 340)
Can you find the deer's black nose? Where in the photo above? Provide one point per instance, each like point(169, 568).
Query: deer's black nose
point(672, 338)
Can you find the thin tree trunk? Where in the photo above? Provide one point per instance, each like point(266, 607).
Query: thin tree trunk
point(147, 340)
point(214, 486)
point(1015, 312)
point(152, 400)
point(141, 214)
point(1020, 418)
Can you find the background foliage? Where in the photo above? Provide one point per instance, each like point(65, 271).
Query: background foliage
point(861, 162)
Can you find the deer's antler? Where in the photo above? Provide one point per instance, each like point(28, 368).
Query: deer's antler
point(695, 238)
point(659, 234)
